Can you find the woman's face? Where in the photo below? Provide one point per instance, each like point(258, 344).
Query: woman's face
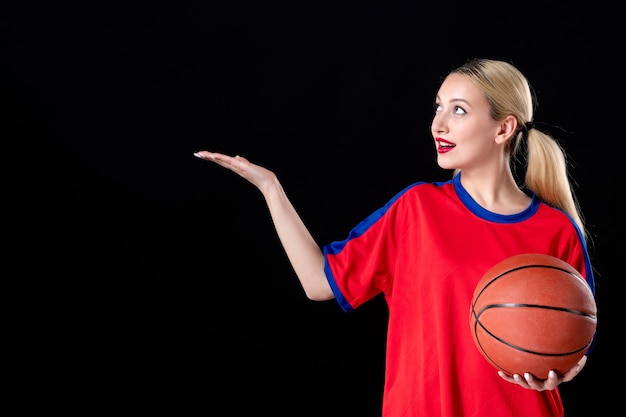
point(462, 127)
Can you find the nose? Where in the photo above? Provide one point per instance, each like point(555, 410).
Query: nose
point(438, 124)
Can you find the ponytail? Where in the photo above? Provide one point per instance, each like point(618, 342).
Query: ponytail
point(547, 175)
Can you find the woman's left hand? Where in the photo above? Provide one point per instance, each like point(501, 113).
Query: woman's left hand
point(528, 381)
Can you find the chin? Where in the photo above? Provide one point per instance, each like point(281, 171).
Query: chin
point(443, 165)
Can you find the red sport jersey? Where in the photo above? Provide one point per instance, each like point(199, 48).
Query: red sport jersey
point(426, 250)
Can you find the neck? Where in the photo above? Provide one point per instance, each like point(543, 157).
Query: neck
point(496, 192)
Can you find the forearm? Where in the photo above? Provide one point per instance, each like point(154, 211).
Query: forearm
point(303, 252)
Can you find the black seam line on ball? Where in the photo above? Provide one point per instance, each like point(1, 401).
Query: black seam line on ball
point(545, 307)
point(521, 349)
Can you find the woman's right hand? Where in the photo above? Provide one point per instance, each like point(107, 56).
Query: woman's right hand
point(255, 174)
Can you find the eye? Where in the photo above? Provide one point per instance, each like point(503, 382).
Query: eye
point(459, 110)
point(436, 107)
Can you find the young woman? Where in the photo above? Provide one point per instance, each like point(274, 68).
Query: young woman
point(428, 246)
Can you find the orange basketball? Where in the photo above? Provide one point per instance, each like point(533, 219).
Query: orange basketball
point(533, 313)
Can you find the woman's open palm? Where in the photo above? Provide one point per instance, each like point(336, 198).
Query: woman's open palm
point(255, 174)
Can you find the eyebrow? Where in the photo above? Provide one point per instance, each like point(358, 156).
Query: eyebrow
point(453, 100)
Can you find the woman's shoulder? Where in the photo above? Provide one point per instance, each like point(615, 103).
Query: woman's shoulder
point(424, 191)
point(426, 187)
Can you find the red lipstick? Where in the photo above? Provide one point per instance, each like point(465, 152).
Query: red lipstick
point(444, 145)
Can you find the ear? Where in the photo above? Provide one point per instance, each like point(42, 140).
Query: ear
point(508, 127)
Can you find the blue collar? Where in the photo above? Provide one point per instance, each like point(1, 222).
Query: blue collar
point(483, 213)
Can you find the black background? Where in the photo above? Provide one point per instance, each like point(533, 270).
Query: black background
point(154, 281)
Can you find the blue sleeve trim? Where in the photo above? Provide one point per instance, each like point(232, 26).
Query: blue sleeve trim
point(336, 247)
point(343, 303)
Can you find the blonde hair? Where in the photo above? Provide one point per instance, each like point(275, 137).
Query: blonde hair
point(508, 92)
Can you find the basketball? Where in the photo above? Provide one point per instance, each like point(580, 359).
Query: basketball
point(533, 313)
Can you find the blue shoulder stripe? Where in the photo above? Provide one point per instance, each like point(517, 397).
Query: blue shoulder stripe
point(337, 246)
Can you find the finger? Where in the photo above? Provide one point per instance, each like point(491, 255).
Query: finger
point(241, 158)
point(506, 377)
point(569, 375)
point(530, 380)
point(522, 381)
point(541, 385)
point(203, 155)
point(552, 381)
point(233, 160)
